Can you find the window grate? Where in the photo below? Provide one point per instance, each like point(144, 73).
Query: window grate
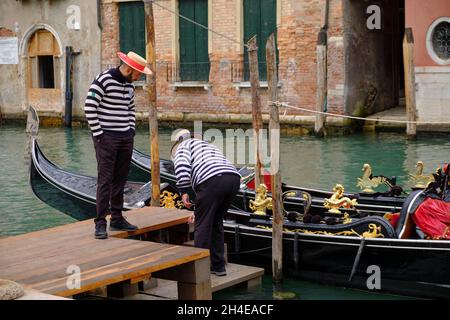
point(441, 40)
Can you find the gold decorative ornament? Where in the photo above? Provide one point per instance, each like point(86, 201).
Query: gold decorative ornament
point(420, 180)
point(338, 201)
point(347, 219)
point(262, 202)
point(367, 183)
point(374, 232)
point(167, 200)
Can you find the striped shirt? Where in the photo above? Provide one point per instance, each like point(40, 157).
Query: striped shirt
point(196, 161)
point(110, 105)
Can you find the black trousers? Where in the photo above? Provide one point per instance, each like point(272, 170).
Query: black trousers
point(113, 163)
point(213, 198)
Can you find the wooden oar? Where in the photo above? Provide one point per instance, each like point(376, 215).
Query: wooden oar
point(358, 256)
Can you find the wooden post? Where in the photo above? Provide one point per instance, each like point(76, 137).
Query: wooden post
point(153, 113)
point(410, 82)
point(321, 81)
point(256, 107)
point(274, 131)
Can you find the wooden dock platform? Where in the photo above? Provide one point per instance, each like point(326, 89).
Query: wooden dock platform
point(49, 262)
point(45, 260)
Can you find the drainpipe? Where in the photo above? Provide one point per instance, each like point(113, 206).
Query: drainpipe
point(69, 86)
point(99, 15)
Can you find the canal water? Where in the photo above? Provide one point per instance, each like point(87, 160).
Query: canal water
point(305, 161)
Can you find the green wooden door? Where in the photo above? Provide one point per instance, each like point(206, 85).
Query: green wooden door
point(194, 58)
point(132, 27)
point(260, 19)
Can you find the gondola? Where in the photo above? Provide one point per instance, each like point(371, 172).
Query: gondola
point(348, 254)
point(73, 193)
point(378, 202)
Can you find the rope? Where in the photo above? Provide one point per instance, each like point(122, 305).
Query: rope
point(288, 106)
point(250, 251)
point(197, 24)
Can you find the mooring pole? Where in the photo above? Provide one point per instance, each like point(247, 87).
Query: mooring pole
point(321, 97)
point(410, 83)
point(274, 131)
point(256, 107)
point(153, 113)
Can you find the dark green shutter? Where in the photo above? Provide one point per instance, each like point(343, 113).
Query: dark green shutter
point(260, 19)
point(132, 27)
point(194, 58)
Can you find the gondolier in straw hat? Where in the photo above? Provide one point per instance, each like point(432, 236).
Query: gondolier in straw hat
point(110, 111)
point(215, 182)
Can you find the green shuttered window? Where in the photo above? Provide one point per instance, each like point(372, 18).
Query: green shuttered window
point(260, 19)
point(132, 27)
point(194, 58)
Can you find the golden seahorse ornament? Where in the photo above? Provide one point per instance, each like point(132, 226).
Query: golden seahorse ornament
point(420, 180)
point(167, 200)
point(367, 183)
point(337, 200)
point(262, 201)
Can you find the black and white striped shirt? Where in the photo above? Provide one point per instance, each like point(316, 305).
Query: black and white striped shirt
point(196, 161)
point(110, 105)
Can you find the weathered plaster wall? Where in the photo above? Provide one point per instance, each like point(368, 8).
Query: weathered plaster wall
point(26, 15)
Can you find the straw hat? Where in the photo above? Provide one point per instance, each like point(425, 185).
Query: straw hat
point(178, 137)
point(135, 61)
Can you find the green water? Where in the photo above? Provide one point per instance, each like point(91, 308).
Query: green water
point(300, 290)
point(306, 161)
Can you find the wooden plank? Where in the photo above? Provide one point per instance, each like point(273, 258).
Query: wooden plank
point(122, 270)
point(153, 218)
point(236, 274)
point(148, 219)
point(84, 258)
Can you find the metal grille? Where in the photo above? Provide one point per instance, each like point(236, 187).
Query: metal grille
point(441, 40)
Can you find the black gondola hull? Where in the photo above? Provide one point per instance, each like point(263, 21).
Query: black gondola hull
point(409, 267)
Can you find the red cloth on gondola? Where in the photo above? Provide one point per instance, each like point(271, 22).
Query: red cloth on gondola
point(433, 218)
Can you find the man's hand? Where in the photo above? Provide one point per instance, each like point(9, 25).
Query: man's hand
point(186, 202)
point(191, 218)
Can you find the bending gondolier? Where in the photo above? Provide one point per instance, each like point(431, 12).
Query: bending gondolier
point(215, 182)
point(110, 111)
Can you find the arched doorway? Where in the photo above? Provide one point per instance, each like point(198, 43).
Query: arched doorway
point(44, 71)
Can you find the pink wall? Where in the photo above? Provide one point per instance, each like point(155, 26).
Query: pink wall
point(420, 14)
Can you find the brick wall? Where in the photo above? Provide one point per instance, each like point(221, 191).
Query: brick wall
point(110, 34)
point(297, 36)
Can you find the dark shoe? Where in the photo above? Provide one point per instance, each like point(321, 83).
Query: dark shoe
point(220, 273)
point(100, 231)
point(121, 225)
